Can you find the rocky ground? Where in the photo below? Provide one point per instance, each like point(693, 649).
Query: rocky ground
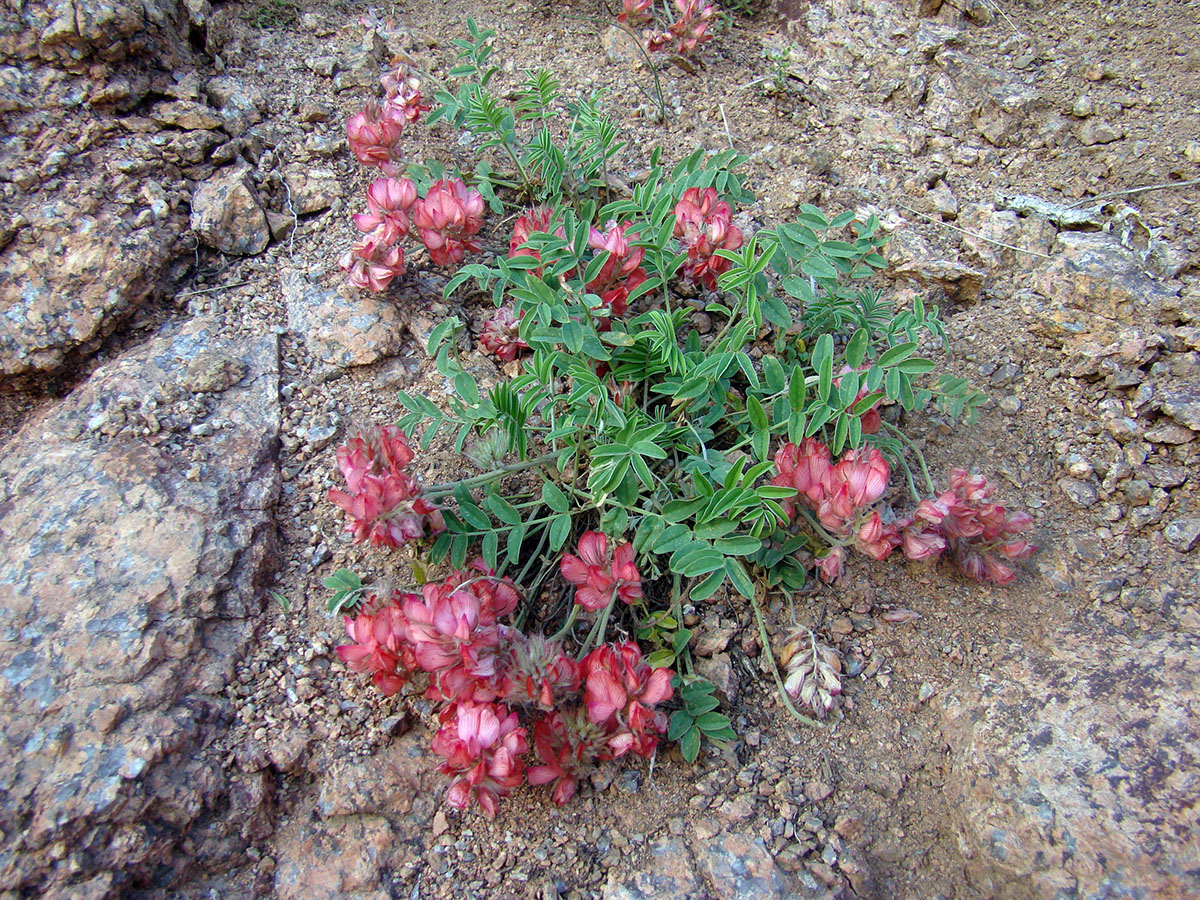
point(178, 360)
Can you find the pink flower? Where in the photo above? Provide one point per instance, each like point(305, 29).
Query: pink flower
point(569, 745)
point(380, 647)
point(536, 671)
point(621, 272)
point(500, 337)
point(372, 263)
point(856, 481)
point(374, 136)
point(403, 91)
point(876, 539)
point(804, 468)
point(830, 565)
point(635, 13)
point(703, 226)
point(448, 218)
point(482, 744)
point(454, 633)
point(689, 31)
point(600, 577)
point(389, 200)
point(383, 504)
point(621, 690)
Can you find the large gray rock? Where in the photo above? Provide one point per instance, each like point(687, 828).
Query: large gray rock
point(341, 326)
point(128, 587)
point(1075, 768)
point(69, 30)
point(76, 271)
point(227, 214)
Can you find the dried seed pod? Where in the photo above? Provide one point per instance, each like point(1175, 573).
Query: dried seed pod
point(813, 671)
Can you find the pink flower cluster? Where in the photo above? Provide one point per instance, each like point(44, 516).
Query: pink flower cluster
point(635, 13)
point(704, 225)
point(621, 272)
point(500, 336)
point(374, 134)
point(534, 220)
point(688, 31)
point(378, 257)
point(446, 219)
point(976, 534)
point(383, 502)
point(486, 674)
point(600, 575)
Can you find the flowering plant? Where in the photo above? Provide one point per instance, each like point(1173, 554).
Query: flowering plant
point(692, 407)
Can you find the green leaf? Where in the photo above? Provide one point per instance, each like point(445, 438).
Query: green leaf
point(491, 549)
point(689, 746)
point(758, 415)
point(856, 349)
point(707, 587)
point(897, 354)
point(916, 366)
point(739, 578)
point(701, 705)
point(440, 333)
point(714, 529)
point(738, 545)
point(817, 267)
point(696, 561)
point(503, 510)
point(474, 516)
point(553, 497)
point(681, 723)
point(560, 529)
point(673, 538)
point(711, 721)
point(678, 510)
point(343, 580)
point(660, 659)
point(761, 444)
point(516, 539)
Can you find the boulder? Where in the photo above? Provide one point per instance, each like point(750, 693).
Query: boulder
point(66, 32)
point(668, 874)
point(137, 522)
point(75, 273)
point(227, 214)
point(341, 326)
point(1075, 768)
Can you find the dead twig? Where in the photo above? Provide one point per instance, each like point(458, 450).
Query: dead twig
point(728, 136)
point(219, 287)
point(1137, 190)
point(981, 237)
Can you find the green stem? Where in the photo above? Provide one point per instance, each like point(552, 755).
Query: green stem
point(440, 490)
point(825, 535)
point(916, 452)
point(571, 617)
point(766, 648)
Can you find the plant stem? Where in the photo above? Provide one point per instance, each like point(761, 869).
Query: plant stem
point(571, 617)
point(766, 642)
point(439, 490)
point(825, 535)
point(917, 452)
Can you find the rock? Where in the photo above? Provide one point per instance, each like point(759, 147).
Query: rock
point(945, 204)
point(1182, 534)
point(816, 791)
point(620, 47)
point(1183, 405)
point(239, 103)
point(150, 30)
point(669, 873)
point(719, 670)
point(738, 867)
point(1073, 768)
point(338, 859)
point(185, 114)
point(714, 636)
point(396, 780)
point(1004, 103)
point(122, 612)
point(1095, 275)
point(1082, 493)
point(1095, 131)
point(312, 190)
point(342, 327)
point(932, 37)
point(911, 257)
point(227, 214)
point(87, 266)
